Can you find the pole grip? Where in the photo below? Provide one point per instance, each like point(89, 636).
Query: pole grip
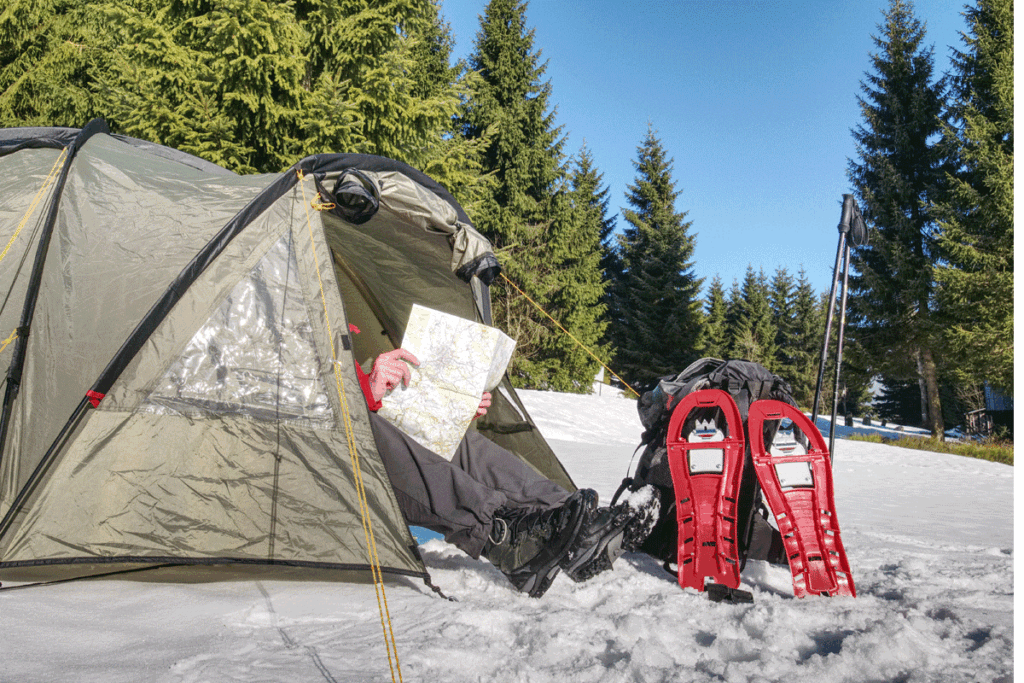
point(851, 222)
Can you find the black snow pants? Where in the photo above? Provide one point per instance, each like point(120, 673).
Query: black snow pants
point(458, 498)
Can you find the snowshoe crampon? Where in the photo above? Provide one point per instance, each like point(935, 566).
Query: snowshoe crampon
point(795, 474)
point(705, 452)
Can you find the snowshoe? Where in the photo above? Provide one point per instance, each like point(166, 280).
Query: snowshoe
point(795, 474)
point(705, 452)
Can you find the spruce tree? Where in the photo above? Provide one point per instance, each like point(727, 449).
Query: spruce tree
point(252, 85)
point(733, 315)
point(656, 330)
point(976, 213)
point(752, 332)
point(449, 157)
point(524, 215)
point(578, 301)
point(613, 270)
point(586, 178)
point(47, 48)
point(805, 344)
point(782, 304)
point(219, 80)
point(896, 176)
point(714, 337)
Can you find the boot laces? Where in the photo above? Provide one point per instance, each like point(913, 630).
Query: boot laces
point(521, 523)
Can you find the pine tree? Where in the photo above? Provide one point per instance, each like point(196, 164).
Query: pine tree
point(523, 154)
point(714, 334)
point(896, 176)
point(976, 213)
point(656, 297)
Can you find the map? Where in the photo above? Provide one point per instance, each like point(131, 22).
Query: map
point(459, 360)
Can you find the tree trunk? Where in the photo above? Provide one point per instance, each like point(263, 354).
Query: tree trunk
point(931, 381)
point(923, 389)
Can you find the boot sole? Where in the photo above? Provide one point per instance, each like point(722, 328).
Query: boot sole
point(599, 556)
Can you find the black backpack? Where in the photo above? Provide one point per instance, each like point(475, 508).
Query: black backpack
point(746, 382)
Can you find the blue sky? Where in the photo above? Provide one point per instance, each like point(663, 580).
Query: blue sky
point(753, 99)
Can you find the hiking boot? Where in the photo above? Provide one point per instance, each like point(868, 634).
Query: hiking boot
point(527, 545)
point(610, 531)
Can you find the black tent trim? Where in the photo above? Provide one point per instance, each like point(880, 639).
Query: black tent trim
point(210, 561)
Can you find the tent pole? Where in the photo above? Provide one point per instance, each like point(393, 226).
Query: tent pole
point(17, 366)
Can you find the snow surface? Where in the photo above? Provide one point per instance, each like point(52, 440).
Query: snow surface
point(929, 537)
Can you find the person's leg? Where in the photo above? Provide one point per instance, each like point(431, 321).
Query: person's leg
point(434, 493)
point(540, 526)
point(496, 468)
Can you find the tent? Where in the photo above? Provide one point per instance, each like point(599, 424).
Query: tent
point(180, 348)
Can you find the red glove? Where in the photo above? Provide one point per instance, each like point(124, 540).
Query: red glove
point(388, 370)
point(485, 403)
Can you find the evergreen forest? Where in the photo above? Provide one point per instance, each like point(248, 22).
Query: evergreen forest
point(255, 85)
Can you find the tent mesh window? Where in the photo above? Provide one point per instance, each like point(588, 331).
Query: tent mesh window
point(254, 357)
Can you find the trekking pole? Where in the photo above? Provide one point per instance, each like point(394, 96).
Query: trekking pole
point(828, 327)
point(851, 231)
point(839, 348)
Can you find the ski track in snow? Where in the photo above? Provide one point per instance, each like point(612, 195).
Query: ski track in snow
point(929, 538)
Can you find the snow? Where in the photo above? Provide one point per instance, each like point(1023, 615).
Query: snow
point(929, 537)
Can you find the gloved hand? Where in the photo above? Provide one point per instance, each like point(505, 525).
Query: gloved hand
point(485, 403)
point(388, 369)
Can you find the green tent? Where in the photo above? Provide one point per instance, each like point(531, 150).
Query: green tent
point(181, 340)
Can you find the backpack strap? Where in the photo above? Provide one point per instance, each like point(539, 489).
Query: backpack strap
point(627, 481)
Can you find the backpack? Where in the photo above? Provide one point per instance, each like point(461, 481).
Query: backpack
point(746, 382)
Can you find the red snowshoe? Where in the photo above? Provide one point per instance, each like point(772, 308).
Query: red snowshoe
point(705, 453)
point(795, 474)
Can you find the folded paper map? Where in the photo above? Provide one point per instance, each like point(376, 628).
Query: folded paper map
point(459, 360)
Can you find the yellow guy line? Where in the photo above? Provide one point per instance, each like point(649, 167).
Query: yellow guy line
point(364, 507)
point(581, 345)
point(14, 335)
point(35, 202)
